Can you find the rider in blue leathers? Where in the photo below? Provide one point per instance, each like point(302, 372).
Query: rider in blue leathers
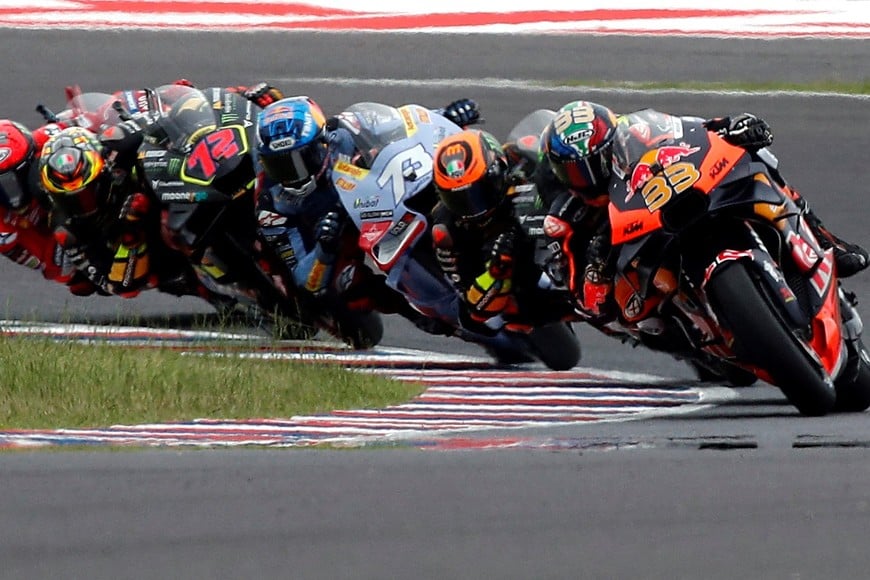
point(299, 212)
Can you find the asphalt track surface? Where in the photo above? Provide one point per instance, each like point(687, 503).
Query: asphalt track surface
point(744, 489)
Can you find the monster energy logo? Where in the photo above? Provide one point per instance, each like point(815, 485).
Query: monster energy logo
point(174, 165)
point(227, 119)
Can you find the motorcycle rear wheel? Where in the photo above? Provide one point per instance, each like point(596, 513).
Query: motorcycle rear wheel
point(762, 338)
point(555, 345)
point(360, 330)
point(853, 395)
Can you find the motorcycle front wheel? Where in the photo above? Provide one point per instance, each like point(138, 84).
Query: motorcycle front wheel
point(762, 338)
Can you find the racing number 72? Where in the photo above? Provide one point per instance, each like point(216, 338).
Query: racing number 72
point(204, 160)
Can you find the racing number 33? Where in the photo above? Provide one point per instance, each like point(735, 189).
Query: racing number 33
point(674, 179)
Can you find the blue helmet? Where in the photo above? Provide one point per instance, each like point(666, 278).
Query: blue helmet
point(292, 143)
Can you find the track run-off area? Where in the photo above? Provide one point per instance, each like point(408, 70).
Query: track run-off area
point(776, 18)
point(463, 394)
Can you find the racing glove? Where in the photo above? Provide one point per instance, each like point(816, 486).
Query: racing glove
point(463, 112)
point(135, 207)
point(501, 262)
point(328, 232)
point(263, 94)
point(596, 300)
point(745, 130)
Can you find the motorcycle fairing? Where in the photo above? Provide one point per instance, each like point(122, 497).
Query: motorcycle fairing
point(397, 240)
point(527, 132)
point(400, 171)
point(695, 165)
point(400, 144)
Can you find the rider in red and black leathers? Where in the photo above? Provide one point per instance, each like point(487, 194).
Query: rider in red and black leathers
point(26, 236)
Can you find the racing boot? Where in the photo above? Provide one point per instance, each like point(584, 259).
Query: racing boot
point(850, 258)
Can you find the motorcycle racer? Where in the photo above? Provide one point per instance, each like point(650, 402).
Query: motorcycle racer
point(299, 212)
point(122, 218)
point(478, 241)
point(579, 150)
point(99, 207)
point(26, 236)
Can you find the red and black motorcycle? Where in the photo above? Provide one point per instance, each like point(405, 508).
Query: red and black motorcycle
point(715, 262)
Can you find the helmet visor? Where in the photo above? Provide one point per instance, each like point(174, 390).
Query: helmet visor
point(583, 175)
point(474, 202)
point(80, 203)
point(295, 167)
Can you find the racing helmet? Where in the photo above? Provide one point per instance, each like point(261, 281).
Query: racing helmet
point(190, 117)
point(579, 144)
point(73, 172)
point(471, 174)
point(292, 143)
point(17, 151)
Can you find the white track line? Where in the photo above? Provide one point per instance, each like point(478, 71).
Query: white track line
point(552, 87)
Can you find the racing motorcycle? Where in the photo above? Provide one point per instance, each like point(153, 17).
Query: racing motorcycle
point(716, 262)
point(388, 192)
point(198, 158)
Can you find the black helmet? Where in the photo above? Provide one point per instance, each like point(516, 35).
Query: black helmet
point(189, 119)
point(471, 174)
point(579, 144)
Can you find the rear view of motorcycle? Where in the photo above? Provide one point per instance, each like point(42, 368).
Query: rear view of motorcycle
point(717, 264)
point(389, 194)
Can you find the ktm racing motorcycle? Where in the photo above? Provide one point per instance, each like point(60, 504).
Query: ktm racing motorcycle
point(388, 193)
point(716, 263)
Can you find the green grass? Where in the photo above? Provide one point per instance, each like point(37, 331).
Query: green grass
point(822, 86)
point(47, 384)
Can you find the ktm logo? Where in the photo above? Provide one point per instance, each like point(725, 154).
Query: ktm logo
point(718, 168)
point(632, 227)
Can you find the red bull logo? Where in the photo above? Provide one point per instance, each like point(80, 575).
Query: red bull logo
point(658, 158)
